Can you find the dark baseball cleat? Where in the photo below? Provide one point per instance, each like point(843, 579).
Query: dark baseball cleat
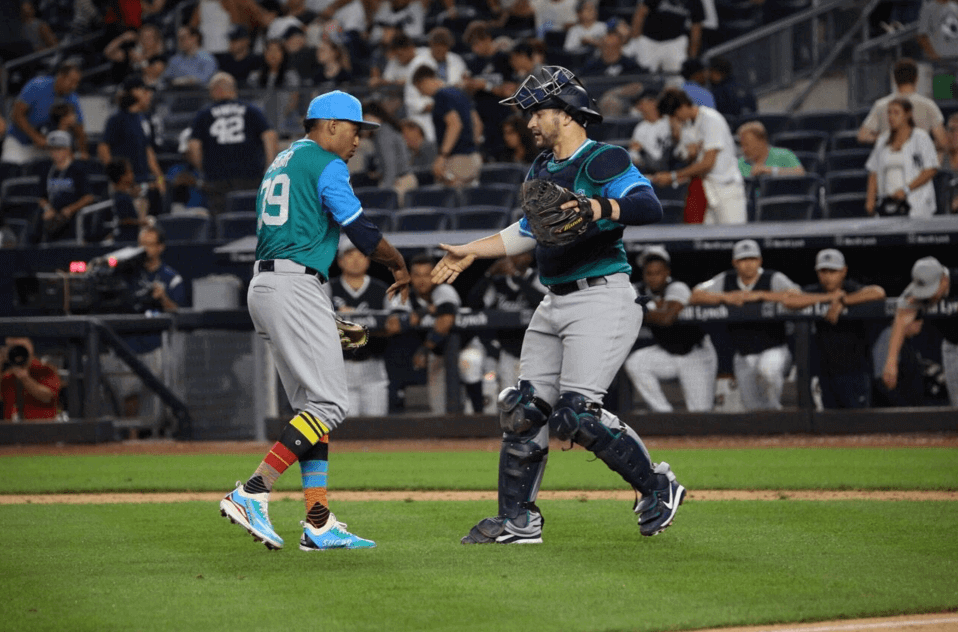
point(524, 529)
point(657, 510)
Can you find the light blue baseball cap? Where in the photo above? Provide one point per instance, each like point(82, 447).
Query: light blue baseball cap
point(337, 105)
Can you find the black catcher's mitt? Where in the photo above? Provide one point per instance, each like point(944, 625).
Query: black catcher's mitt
point(551, 225)
point(352, 336)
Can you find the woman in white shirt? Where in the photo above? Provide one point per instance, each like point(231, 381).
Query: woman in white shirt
point(902, 164)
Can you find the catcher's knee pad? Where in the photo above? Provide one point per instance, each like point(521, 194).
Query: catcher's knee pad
point(521, 410)
point(577, 419)
point(522, 462)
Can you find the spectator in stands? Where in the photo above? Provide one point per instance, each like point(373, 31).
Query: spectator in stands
point(333, 66)
point(761, 159)
point(523, 61)
point(356, 291)
point(902, 166)
point(761, 357)
point(125, 135)
point(302, 57)
point(931, 282)
point(457, 128)
point(694, 74)
point(154, 71)
point(844, 352)
point(391, 158)
point(450, 68)
point(937, 22)
point(949, 158)
point(400, 53)
point(184, 192)
point(36, 31)
point(487, 70)
point(441, 302)
point(422, 151)
point(231, 143)
point(64, 190)
point(190, 66)
point(213, 19)
point(30, 114)
point(712, 149)
point(156, 287)
point(239, 60)
point(520, 144)
point(510, 284)
point(406, 16)
point(59, 14)
point(925, 112)
point(512, 15)
point(731, 99)
point(130, 204)
point(680, 351)
point(668, 33)
point(651, 142)
point(130, 51)
point(611, 61)
point(553, 16)
point(585, 35)
point(29, 387)
point(274, 70)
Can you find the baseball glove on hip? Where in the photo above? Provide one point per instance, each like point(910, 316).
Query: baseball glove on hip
point(351, 335)
point(552, 225)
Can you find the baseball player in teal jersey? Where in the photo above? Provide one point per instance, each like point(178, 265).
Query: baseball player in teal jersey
point(303, 203)
point(582, 330)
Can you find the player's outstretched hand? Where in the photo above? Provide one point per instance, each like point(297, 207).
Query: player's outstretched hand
point(401, 286)
point(456, 260)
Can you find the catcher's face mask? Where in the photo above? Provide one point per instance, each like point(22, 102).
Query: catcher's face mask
point(536, 90)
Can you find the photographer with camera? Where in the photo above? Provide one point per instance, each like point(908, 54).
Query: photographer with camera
point(29, 389)
point(156, 287)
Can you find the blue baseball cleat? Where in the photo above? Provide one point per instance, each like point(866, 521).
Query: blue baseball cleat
point(657, 510)
point(250, 512)
point(332, 535)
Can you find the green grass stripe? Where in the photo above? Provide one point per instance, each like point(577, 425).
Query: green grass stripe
point(183, 567)
point(795, 468)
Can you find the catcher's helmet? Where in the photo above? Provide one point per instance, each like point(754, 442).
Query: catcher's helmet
point(555, 87)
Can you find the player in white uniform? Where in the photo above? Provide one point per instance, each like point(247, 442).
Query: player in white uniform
point(680, 351)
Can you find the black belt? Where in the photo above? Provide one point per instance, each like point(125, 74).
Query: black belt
point(268, 265)
point(562, 289)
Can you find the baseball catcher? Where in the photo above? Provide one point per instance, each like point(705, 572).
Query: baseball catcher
point(551, 219)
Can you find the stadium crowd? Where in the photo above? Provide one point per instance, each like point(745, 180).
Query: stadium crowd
point(205, 93)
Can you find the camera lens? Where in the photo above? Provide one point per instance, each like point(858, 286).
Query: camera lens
point(18, 355)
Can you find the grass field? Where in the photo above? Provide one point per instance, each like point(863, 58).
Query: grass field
point(180, 566)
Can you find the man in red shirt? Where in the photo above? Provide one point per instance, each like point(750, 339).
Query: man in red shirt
point(29, 389)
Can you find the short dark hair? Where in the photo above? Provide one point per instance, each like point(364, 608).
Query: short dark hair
point(905, 72)
point(671, 100)
point(422, 258)
point(721, 65)
point(67, 66)
point(117, 168)
point(309, 124)
point(400, 40)
point(422, 73)
point(157, 230)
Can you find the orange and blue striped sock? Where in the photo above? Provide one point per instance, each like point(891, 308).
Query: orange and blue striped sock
point(314, 466)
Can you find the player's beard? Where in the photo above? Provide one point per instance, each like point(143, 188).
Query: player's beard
point(546, 139)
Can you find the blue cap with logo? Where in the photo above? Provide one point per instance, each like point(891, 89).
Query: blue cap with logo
point(339, 106)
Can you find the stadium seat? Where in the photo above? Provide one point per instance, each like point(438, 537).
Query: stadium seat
point(436, 196)
point(805, 140)
point(844, 140)
point(845, 205)
point(9, 170)
point(861, 114)
point(377, 197)
point(948, 107)
point(420, 220)
point(673, 212)
point(235, 225)
point(785, 208)
point(829, 121)
point(185, 227)
point(489, 195)
point(20, 228)
point(99, 185)
point(241, 201)
point(424, 175)
point(479, 217)
point(503, 173)
point(846, 159)
point(94, 222)
point(613, 127)
point(808, 184)
point(20, 187)
point(380, 217)
point(946, 184)
point(39, 167)
point(847, 181)
point(812, 162)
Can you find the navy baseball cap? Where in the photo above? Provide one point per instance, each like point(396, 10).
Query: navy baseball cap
point(339, 106)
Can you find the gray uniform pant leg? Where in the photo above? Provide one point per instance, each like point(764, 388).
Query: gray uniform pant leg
point(296, 319)
point(949, 364)
point(578, 342)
